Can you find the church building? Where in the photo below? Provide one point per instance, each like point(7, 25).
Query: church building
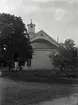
point(42, 45)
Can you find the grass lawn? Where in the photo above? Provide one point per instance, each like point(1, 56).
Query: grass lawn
point(26, 93)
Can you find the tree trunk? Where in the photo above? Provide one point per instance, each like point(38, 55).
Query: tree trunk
point(9, 67)
point(20, 68)
point(16, 65)
point(61, 68)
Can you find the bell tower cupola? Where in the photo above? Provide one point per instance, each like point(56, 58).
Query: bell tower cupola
point(31, 28)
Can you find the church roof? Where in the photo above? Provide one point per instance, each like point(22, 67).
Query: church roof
point(43, 35)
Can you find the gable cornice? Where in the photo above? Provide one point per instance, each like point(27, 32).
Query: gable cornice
point(50, 39)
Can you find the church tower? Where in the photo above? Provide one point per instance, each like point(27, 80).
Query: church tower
point(31, 29)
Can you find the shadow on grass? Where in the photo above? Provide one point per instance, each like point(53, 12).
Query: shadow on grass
point(31, 76)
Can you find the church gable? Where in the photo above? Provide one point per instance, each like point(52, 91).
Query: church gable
point(43, 44)
point(42, 35)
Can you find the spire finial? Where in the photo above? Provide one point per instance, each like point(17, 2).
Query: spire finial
point(31, 21)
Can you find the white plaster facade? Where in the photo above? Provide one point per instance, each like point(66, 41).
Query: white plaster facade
point(42, 45)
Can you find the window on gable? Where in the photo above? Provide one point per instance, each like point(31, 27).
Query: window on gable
point(41, 35)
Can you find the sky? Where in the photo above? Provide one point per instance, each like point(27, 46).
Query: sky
point(58, 18)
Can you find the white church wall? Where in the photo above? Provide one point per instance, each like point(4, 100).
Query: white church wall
point(41, 60)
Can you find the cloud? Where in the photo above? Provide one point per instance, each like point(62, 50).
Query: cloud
point(59, 14)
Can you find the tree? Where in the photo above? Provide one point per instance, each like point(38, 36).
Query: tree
point(15, 45)
point(67, 56)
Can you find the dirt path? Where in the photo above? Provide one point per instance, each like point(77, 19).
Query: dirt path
point(72, 100)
